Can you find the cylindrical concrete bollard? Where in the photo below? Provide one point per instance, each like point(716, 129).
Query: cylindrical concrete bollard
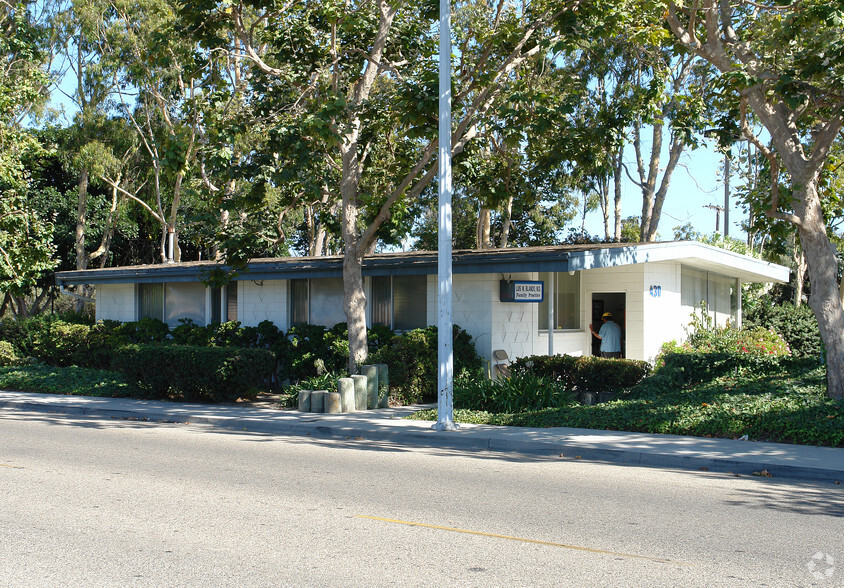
point(371, 373)
point(318, 401)
point(346, 388)
point(304, 401)
point(383, 385)
point(332, 403)
point(360, 392)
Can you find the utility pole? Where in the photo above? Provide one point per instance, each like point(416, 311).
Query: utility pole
point(445, 330)
point(717, 210)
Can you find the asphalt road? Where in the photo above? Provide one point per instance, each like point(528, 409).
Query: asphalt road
point(103, 502)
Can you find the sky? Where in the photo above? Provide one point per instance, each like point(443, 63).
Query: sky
point(697, 182)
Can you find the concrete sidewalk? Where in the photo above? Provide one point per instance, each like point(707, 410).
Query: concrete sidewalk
point(669, 451)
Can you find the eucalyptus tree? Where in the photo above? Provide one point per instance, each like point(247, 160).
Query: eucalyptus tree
point(154, 77)
point(785, 63)
point(77, 27)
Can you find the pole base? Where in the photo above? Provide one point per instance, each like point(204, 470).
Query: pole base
point(445, 426)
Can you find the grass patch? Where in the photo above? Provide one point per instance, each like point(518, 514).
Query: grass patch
point(786, 407)
point(71, 381)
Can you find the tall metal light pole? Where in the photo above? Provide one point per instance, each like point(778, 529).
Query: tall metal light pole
point(445, 337)
point(727, 155)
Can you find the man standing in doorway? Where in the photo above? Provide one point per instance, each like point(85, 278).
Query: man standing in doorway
point(610, 336)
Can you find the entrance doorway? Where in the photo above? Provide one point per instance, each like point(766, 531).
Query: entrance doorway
point(615, 303)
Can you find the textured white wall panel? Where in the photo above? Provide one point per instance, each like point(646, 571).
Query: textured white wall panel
point(116, 302)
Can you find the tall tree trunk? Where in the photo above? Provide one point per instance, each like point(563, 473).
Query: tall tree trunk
point(505, 226)
point(825, 298)
point(799, 271)
point(81, 213)
point(482, 238)
point(617, 168)
point(354, 298)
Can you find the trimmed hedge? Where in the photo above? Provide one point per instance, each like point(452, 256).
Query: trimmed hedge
point(187, 372)
point(585, 374)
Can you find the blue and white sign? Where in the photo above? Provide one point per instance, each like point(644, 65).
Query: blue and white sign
point(522, 291)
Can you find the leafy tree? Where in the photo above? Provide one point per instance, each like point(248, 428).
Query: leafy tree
point(348, 97)
point(26, 250)
point(785, 63)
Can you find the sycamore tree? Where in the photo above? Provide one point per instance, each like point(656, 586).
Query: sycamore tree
point(784, 62)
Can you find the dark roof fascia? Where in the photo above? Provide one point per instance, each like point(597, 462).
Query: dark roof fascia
point(463, 262)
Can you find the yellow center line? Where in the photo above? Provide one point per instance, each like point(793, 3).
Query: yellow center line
point(526, 540)
point(5, 465)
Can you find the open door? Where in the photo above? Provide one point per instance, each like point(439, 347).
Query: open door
point(615, 303)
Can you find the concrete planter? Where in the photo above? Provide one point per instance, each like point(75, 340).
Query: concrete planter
point(332, 403)
point(304, 401)
point(383, 385)
point(346, 388)
point(371, 373)
point(360, 392)
point(318, 401)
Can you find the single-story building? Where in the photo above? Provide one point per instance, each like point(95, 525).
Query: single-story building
point(502, 297)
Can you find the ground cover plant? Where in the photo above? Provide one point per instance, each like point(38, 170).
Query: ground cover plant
point(720, 382)
point(787, 404)
point(70, 381)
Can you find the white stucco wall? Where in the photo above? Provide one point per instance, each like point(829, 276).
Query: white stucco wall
point(262, 300)
point(471, 307)
point(116, 302)
point(665, 318)
point(653, 310)
point(627, 280)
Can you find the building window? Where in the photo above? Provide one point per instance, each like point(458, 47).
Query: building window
point(400, 302)
point(184, 300)
point(381, 301)
point(566, 301)
point(410, 302)
point(298, 301)
point(222, 311)
point(719, 293)
point(216, 305)
point(231, 301)
point(151, 301)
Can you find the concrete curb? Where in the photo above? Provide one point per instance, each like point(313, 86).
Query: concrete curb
point(663, 451)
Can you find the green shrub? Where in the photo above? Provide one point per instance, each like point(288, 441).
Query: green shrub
point(797, 325)
point(64, 344)
point(194, 373)
point(146, 330)
point(683, 366)
point(24, 334)
point(584, 374)
point(190, 333)
point(8, 354)
point(412, 361)
point(761, 341)
point(522, 391)
point(307, 351)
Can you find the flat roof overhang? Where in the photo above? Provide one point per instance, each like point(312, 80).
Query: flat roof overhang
point(529, 259)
